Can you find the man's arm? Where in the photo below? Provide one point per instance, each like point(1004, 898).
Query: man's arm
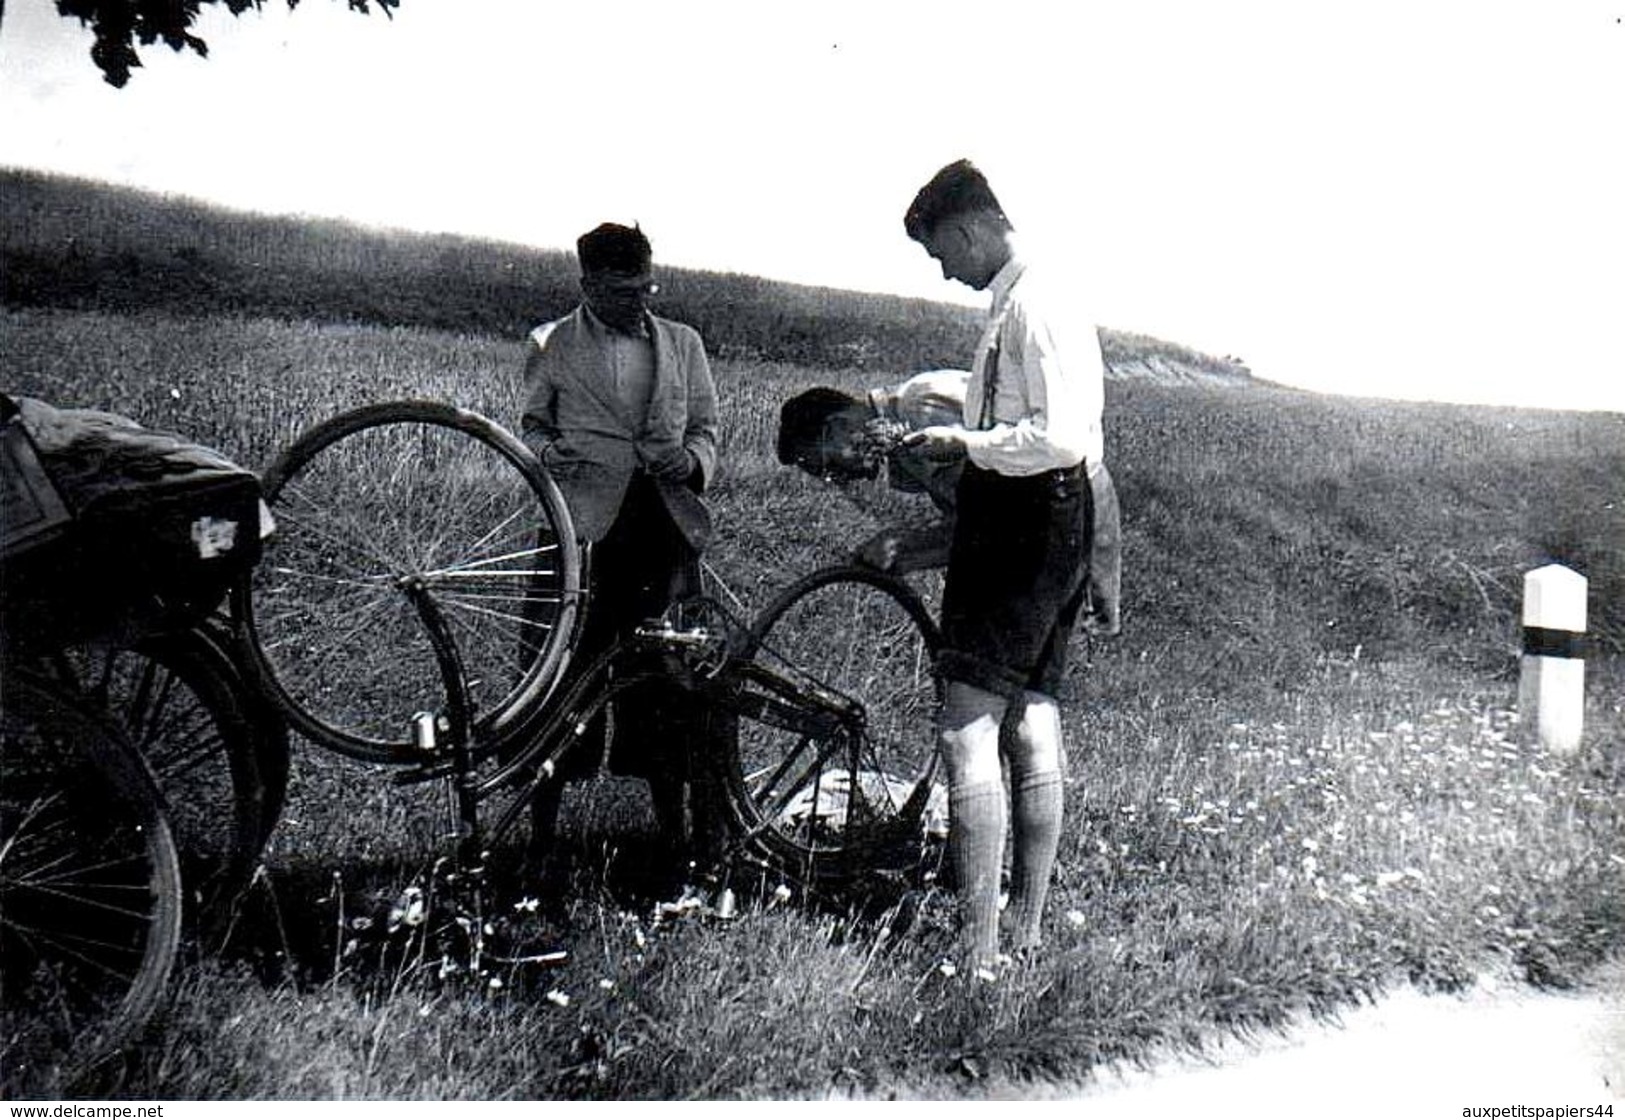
point(539, 423)
point(1063, 393)
point(908, 550)
point(700, 433)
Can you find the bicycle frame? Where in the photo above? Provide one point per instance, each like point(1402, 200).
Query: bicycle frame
point(718, 665)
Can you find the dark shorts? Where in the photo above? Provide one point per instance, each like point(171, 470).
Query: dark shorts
point(1017, 578)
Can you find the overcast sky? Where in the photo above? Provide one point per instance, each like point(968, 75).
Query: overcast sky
point(1408, 198)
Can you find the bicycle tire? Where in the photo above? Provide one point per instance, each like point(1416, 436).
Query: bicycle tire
point(367, 504)
point(272, 755)
point(192, 716)
point(827, 811)
point(90, 886)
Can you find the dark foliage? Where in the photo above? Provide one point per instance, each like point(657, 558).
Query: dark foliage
point(120, 24)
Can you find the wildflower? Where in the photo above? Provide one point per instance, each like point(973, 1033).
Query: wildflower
point(174, 394)
point(1076, 918)
point(986, 974)
point(409, 909)
point(781, 893)
point(557, 998)
point(607, 984)
point(948, 968)
point(527, 905)
point(495, 983)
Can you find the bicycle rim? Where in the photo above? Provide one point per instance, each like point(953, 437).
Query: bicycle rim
point(830, 807)
point(189, 715)
point(90, 889)
point(381, 499)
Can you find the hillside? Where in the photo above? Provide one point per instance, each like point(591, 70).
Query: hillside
point(69, 243)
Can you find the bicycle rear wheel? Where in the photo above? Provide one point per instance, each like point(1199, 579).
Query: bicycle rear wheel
point(220, 765)
point(395, 500)
point(90, 888)
point(828, 806)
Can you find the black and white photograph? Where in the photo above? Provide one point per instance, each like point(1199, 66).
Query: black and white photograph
point(821, 553)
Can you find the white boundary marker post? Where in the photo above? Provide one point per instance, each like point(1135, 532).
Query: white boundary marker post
point(1551, 687)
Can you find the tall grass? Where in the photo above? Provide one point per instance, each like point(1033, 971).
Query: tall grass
point(1293, 781)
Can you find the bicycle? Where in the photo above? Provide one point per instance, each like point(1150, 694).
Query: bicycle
point(420, 602)
point(140, 773)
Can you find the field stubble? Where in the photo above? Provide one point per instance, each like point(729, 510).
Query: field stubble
point(1294, 779)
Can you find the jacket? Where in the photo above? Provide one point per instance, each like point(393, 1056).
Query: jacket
point(584, 436)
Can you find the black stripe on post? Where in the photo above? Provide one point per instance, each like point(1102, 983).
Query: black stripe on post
point(1538, 641)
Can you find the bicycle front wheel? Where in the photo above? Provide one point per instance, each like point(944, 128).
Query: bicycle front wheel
point(864, 796)
point(90, 888)
point(377, 511)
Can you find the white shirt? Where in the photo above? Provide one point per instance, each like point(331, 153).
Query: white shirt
point(1050, 389)
point(631, 363)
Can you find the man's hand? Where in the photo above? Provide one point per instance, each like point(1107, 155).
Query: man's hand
point(940, 441)
point(676, 466)
point(880, 551)
point(901, 551)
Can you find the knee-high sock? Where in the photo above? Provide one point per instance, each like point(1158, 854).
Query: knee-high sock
point(976, 844)
point(1036, 802)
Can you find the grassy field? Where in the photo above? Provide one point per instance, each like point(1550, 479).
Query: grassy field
point(1295, 779)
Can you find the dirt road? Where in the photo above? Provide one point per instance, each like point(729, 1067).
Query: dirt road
point(1500, 1045)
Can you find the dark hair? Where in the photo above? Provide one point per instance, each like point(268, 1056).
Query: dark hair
point(802, 419)
point(614, 248)
point(957, 189)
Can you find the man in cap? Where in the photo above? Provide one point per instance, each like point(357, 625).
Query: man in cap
point(1018, 563)
point(621, 408)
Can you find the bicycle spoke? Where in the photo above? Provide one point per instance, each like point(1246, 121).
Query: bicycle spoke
point(417, 491)
point(316, 523)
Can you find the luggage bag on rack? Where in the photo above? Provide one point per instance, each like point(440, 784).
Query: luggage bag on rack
point(112, 531)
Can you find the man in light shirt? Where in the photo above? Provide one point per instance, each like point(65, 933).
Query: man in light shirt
point(621, 408)
point(1018, 564)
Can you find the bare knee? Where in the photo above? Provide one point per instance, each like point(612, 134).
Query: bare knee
point(1034, 744)
point(968, 733)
